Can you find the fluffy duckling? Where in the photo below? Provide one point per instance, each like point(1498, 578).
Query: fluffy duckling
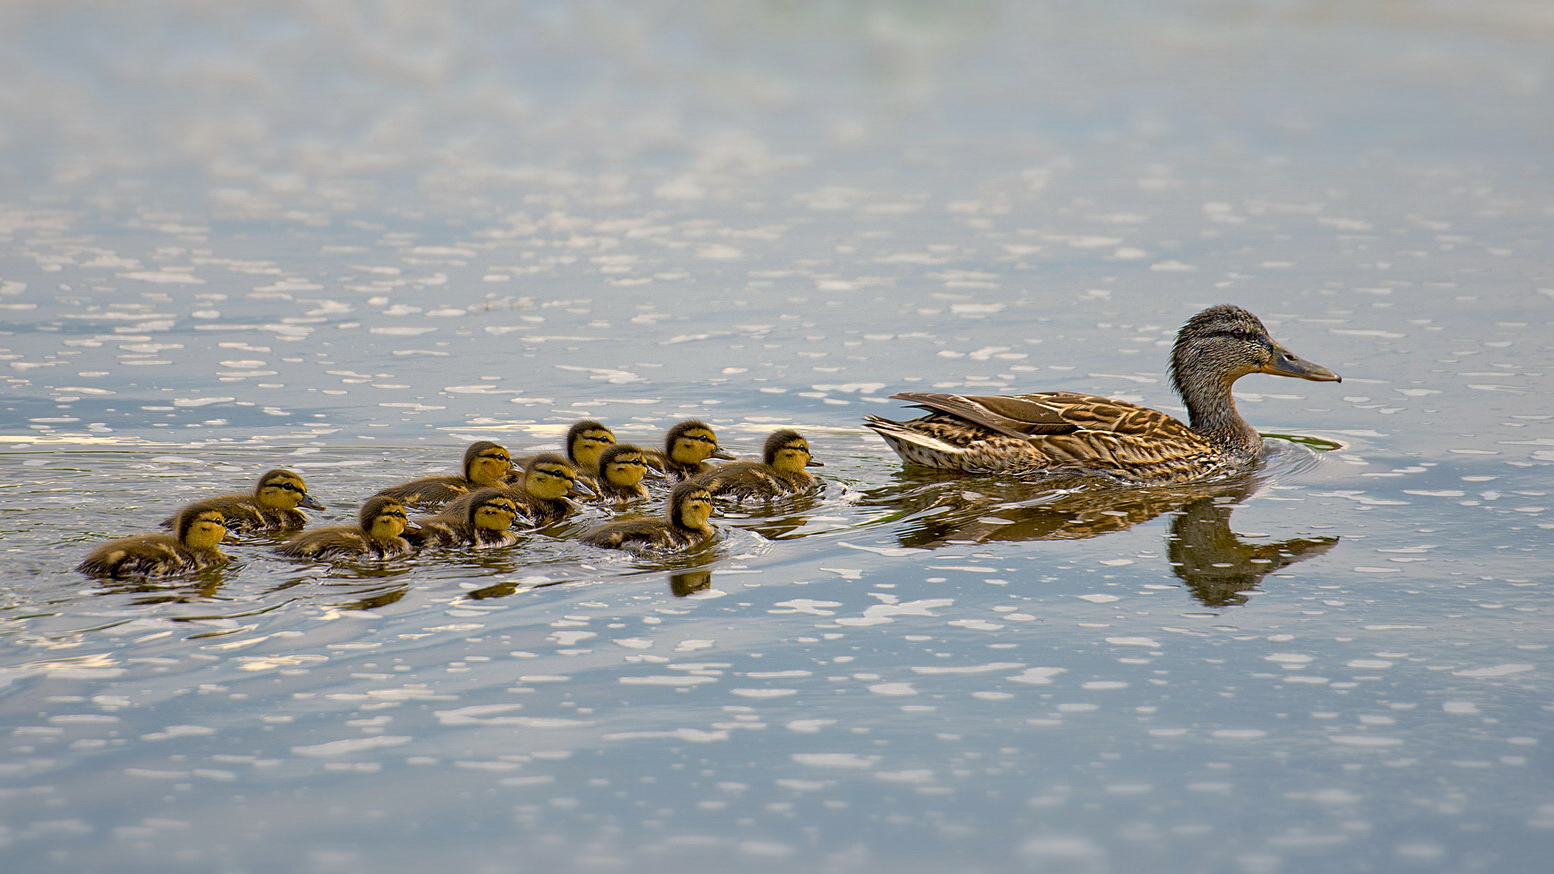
point(687, 447)
point(585, 442)
point(198, 529)
point(779, 472)
point(487, 522)
point(621, 469)
point(541, 496)
point(485, 464)
point(378, 533)
point(684, 525)
point(271, 508)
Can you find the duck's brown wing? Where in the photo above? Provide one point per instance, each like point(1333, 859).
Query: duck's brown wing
point(1056, 412)
point(627, 534)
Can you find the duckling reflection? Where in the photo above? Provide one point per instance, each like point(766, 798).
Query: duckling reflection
point(682, 583)
point(1214, 562)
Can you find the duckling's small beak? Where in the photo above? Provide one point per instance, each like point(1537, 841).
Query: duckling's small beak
point(411, 530)
point(1287, 363)
point(721, 453)
point(652, 473)
point(307, 501)
point(813, 463)
point(581, 488)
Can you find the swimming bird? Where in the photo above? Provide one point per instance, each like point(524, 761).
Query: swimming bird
point(271, 507)
point(585, 442)
point(541, 497)
point(485, 464)
point(378, 533)
point(621, 469)
point(1063, 433)
point(486, 522)
point(687, 447)
point(685, 524)
point(779, 472)
point(194, 546)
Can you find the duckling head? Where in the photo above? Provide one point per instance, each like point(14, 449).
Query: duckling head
point(623, 465)
point(284, 490)
point(201, 527)
point(492, 509)
point(585, 441)
point(549, 477)
point(692, 442)
point(1224, 343)
point(690, 505)
point(788, 452)
point(487, 463)
point(382, 518)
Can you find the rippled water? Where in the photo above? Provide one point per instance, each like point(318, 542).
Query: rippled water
point(349, 239)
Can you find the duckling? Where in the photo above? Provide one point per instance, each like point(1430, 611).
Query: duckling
point(684, 525)
point(779, 472)
point(485, 464)
point(687, 447)
point(378, 533)
point(585, 442)
point(198, 529)
point(486, 523)
point(271, 508)
point(1062, 433)
point(541, 496)
point(621, 469)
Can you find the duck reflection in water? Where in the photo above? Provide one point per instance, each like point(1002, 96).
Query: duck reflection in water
point(935, 510)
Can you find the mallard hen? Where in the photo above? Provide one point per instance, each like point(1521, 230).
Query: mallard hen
point(378, 533)
point(779, 472)
point(194, 546)
point(1063, 433)
point(270, 508)
point(684, 525)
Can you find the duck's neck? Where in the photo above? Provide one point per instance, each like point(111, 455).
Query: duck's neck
point(1211, 412)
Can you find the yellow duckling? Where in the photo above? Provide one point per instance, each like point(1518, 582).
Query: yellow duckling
point(621, 469)
point(272, 507)
point(378, 533)
point(194, 546)
point(687, 447)
point(779, 472)
point(541, 497)
point(685, 524)
point(486, 522)
point(585, 442)
point(485, 464)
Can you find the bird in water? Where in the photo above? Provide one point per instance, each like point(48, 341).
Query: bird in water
point(781, 471)
point(270, 508)
point(621, 469)
point(1067, 434)
point(485, 464)
point(378, 533)
point(585, 442)
point(193, 546)
point(685, 524)
point(542, 495)
point(687, 447)
point(486, 522)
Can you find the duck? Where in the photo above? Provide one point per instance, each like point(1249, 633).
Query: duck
point(1061, 434)
point(687, 447)
point(485, 464)
point(194, 546)
point(271, 508)
point(585, 442)
point(621, 469)
point(379, 532)
point(541, 496)
point(685, 524)
point(486, 522)
point(781, 471)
